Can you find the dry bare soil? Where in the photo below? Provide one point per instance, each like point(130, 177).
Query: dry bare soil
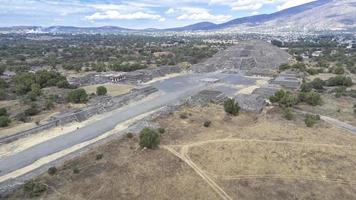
point(244, 157)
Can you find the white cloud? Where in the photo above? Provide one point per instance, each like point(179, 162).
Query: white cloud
point(113, 14)
point(130, 11)
point(249, 5)
point(291, 3)
point(197, 14)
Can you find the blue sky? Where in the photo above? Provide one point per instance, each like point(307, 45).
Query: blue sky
point(133, 13)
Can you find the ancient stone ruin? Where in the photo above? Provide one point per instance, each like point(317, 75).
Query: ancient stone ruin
point(249, 57)
point(134, 77)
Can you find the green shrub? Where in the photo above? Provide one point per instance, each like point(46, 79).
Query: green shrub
point(287, 113)
point(52, 170)
point(339, 91)
point(311, 98)
point(288, 100)
point(306, 87)
point(49, 104)
point(3, 112)
point(317, 84)
point(231, 107)
point(43, 78)
point(22, 117)
point(339, 81)
point(33, 110)
point(32, 96)
point(312, 71)
point(34, 189)
point(101, 90)
point(63, 84)
point(285, 99)
point(339, 70)
point(4, 121)
point(129, 135)
point(78, 96)
point(99, 156)
point(277, 96)
point(2, 94)
point(207, 123)
point(149, 138)
point(161, 130)
point(311, 120)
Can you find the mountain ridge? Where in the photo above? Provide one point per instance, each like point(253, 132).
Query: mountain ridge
point(314, 16)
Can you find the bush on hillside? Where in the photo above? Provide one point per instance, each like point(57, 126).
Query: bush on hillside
point(339, 81)
point(101, 90)
point(149, 138)
point(311, 120)
point(287, 113)
point(78, 96)
point(231, 107)
point(284, 99)
point(311, 98)
point(4, 121)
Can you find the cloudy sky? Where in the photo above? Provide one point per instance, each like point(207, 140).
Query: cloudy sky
point(133, 13)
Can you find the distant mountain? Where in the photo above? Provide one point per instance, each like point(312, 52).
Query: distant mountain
point(195, 27)
point(314, 16)
point(64, 29)
point(72, 29)
point(258, 19)
point(320, 15)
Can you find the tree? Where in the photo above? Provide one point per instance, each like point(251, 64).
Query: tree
point(63, 84)
point(101, 90)
point(149, 138)
point(231, 107)
point(288, 100)
point(33, 110)
point(4, 121)
point(306, 87)
point(317, 84)
point(287, 113)
point(3, 112)
point(339, 70)
point(277, 96)
point(2, 69)
point(2, 94)
point(339, 81)
point(36, 89)
point(78, 96)
point(311, 98)
point(33, 188)
point(284, 99)
point(310, 120)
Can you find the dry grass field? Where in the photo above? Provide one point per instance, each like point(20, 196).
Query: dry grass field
point(340, 108)
point(244, 157)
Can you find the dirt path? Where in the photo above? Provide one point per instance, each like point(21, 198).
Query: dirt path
point(229, 139)
point(332, 121)
point(206, 176)
point(183, 156)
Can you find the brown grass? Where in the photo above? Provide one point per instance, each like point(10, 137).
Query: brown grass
point(245, 157)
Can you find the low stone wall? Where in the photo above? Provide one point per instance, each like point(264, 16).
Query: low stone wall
point(138, 76)
point(85, 113)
